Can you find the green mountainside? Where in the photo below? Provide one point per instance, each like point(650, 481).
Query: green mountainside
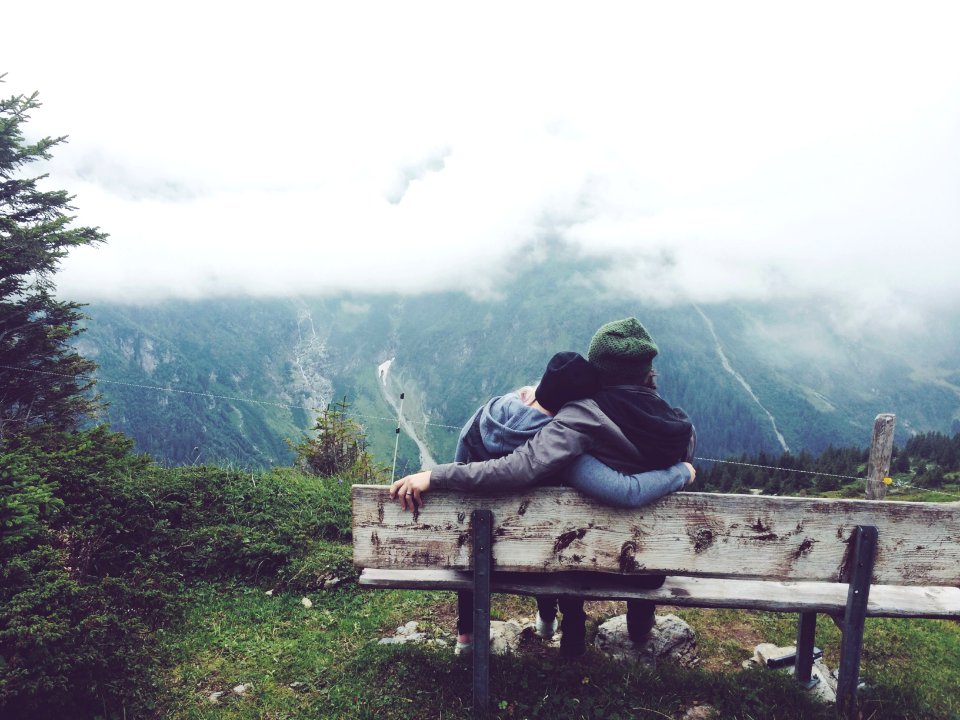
point(242, 376)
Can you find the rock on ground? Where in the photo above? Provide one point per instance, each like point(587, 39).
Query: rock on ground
point(408, 633)
point(504, 637)
point(670, 638)
point(700, 712)
point(240, 690)
point(826, 687)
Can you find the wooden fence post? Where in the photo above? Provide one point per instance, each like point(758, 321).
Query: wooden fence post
point(878, 467)
point(881, 450)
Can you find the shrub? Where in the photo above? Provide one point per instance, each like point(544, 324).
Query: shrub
point(76, 607)
point(212, 522)
point(339, 448)
point(98, 545)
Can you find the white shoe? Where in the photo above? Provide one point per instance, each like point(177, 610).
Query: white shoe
point(463, 649)
point(544, 631)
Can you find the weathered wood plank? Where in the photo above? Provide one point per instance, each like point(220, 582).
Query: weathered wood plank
point(830, 598)
point(705, 535)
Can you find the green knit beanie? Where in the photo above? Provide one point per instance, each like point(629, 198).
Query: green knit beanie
point(623, 352)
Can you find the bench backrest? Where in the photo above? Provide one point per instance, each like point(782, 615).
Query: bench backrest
point(708, 535)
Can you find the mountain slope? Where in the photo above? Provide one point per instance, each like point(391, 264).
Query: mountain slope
point(240, 376)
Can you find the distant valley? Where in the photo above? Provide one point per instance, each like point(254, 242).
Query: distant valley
point(240, 377)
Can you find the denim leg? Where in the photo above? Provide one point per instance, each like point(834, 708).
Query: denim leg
point(464, 612)
point(573, 630)
point(641, 617)
point(572, 609)
point(547, 607)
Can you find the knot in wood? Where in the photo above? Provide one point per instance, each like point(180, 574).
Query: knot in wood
point(627, 560)
point(564, 541)
point(702, 539)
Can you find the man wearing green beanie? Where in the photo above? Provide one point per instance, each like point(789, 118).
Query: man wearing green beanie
point(623, 352)
point(625, 424)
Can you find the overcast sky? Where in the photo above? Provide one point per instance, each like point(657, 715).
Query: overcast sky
point(719, 150)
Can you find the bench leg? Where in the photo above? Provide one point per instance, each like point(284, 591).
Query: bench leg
point(482, 560)
point(864, 551)
point(803, 664)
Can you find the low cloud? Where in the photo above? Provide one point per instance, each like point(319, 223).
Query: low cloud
point(433, 162)
point(117, 177)
point(735, 153)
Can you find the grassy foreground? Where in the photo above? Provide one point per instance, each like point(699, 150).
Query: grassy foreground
point(128, 590)
point(323, 661)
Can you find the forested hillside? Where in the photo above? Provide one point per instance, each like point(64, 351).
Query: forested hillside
point(239, 377)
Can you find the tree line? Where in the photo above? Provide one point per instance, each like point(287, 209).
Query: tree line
point(927, 460)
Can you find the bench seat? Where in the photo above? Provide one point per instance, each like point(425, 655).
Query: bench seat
point(942, 603)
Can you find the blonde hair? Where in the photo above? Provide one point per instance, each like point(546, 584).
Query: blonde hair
point(650, 380)
point(528, 394)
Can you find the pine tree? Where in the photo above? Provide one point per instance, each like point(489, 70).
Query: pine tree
point(339, 448)
point(43, 381)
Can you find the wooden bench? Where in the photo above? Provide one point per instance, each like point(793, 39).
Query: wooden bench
point(850, 559)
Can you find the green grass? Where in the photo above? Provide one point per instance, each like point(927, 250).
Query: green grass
point(950, 492)
point(324, 662)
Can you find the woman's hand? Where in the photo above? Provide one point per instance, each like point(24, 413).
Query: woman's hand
point(693, 474)
point(407, 490)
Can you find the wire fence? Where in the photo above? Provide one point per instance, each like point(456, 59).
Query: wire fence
point(899, 484)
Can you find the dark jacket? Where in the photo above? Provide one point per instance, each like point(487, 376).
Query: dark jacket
point(663, 435)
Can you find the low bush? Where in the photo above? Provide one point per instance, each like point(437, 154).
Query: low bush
point(97, 545)
point(217, 523)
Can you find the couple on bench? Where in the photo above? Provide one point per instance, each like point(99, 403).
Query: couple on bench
point(595, 424)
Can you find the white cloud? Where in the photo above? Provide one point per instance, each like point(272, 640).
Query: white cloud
point(739, 150)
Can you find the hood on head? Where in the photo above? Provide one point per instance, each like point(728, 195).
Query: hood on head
point(506, 424)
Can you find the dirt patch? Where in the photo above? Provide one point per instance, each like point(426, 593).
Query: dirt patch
point(735, 637)
point(603, 610)
point(743, 634)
